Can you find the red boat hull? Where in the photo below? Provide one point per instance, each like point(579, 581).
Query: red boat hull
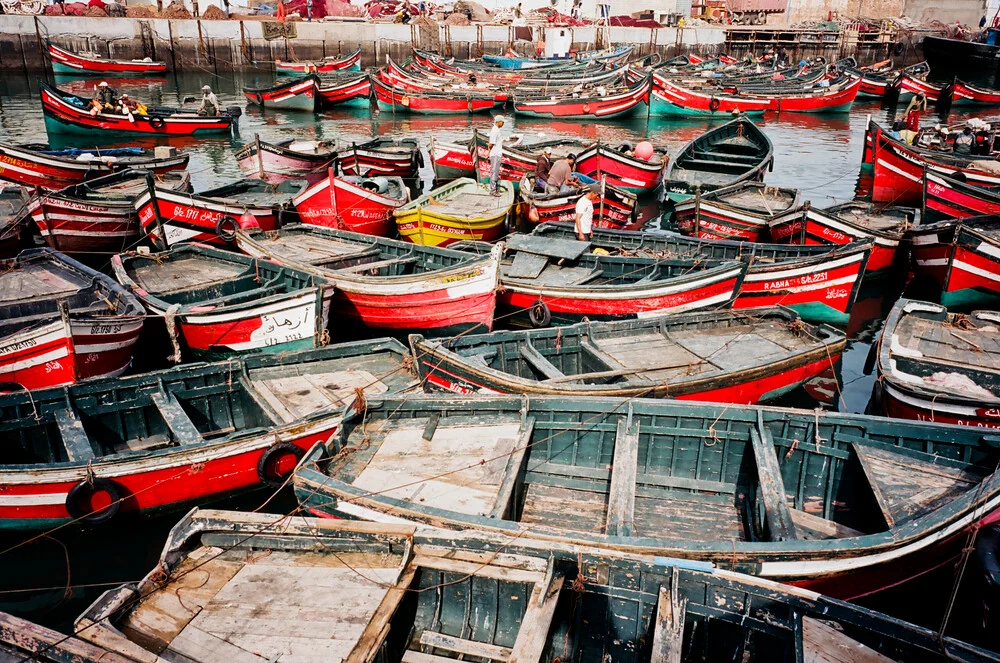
point(909, 85)
point(334, 203)
point(907, 405)
point(613, 105)
point(333, 95)
point(707, 220)
point(620, 170)
point(963, 93)
point(822, 228)
point(393, 98)
point(78, 226)
point(51, 173)
point(451, 161)
point(186, 218)
point(957, 202)
point(65, 62)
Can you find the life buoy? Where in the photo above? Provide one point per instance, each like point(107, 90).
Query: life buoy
point(277, 462)
point(94, 502)
point(539, 314)
point(156, 122)
point(226, 227)
point(586, 108)
point(899, 48)
point(713, 104)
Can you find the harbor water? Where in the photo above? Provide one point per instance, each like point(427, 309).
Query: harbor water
point(51, 579)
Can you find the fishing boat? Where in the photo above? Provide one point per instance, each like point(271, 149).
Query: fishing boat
point(359, 204)
point(939, 366)
point(671, 98)
point(13, 204)
point(107, 449)
point(750, 356)
point(966, 93)
point(349, 62)
point(219, 304)
point(42, 167)
point(213, 216)
point(386, 284)
point(342, 89)
point(962, 256)
point(21, 640)
point(546, 280)
point(67, 113)
point(400, 591)
point(588, 105)
point(869, 503)
point(820, 283)
point(878, 81)
point(737, 151)
point(397, 157)
point(78, 64)
point(616, 207)
point(297, 93)
point(913, 82)
point(519, 154)
point(951, 198)
point(850, 222)
point(97, 216)
point(460, 210)
point(276, 162)
point(449, 160)
point(738, 212)
point(396, 99)
point(621, 167)
point(61, 322)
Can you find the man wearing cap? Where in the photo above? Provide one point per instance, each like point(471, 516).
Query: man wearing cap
point(128, 107)
point(542, 166)
point(209, 102)
point(496, 154)
point(104, 99)
point(584, 220)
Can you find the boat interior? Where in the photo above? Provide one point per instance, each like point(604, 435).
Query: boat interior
point(681, 478)
point(717, 162)
point(465, 199)
point(875, 217)
point(390, 187)
point(758, 198)
point(13, 200)
point(256, 192)
point(181, 409)
point(240, 590)
point(125, 186)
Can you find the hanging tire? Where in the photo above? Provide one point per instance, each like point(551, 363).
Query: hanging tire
point(420, 159)
point(539, 314)
point(899, 48)
point(94, 502)
point(156, 122)
point(226, 227)
point(277, 462)
point(714, 104)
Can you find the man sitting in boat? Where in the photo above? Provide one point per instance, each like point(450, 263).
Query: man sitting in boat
point(542, 167)
point(104, 99)
point(130, 107)
point(209, 102)
point(561, 178)
point(964, 141)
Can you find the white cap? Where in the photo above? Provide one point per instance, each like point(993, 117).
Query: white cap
point(499, 118)
point(548, 150)
point(206, 88)
point(102, 84)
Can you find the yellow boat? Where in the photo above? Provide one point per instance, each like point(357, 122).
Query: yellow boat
point(460, 210)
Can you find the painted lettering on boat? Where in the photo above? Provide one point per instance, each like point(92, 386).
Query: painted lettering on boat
point(105, 329)
point(20, 345)
point(285, 326)
point(834, 235)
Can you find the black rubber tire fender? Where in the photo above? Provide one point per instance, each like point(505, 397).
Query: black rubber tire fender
point(420, 159)
point(714, 104)
point(156, 122)
point(898, 48)
point(539, 314)
point(271, 456)
point(226, 227)
point(79, 496)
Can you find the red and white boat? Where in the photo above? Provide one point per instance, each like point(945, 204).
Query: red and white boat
point(614, 209)
point(450, 160)
point(855, 221)
point(950, 198)
point(616, 103)
point(213, 216)
point(218, 303)
point(962, 256)
point(392, 98)
point(966, 93)
point(911, 84)
point(669, 98)
point(621, 167)
point(329, 63)
point(43, 168)
point(673, 99)
point(359, 204)
point(398, 157)
point(64, 62)
point(147, 443)
point(389, 285)
point(68, 113)
point(924, 378)
point(740, 212)
point(520, 158)
point(61, 322)
point(298, 93)
point(277, 162)
point(97, 217)
point(343, 89)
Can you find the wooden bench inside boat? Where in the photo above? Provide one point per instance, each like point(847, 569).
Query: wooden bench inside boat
point(184, 273)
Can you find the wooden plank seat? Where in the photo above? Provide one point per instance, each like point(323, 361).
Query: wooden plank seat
point(241, 297)
point(390, 262)
point(706, 156)
point(770, 485)
point(704, 164)
point(621, 496)
point(668, 634)
point(538, 361)
point(74, 437)
point(177, 420)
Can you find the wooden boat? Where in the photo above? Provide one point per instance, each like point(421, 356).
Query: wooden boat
point(737, 151)
point(21, 640)
point(671, 99)
point(738, 212)
point(13, 203)
point(359, 204)
point(820, 283)
point(351, 61)
point(470, 595)
point(592, 105)
point(951, 198)
point(41, 167)
point(879, 81)
point(966, 93)
point(962, 256)
point(460, 210)
point(296, 93)
point(397, 157)
point(276, 162)
point(913, 82)
point(146, 443)
point(342, 89)
point(213, 216)
point(61, 322)
point(67, 113)
point(395, 99)
point(616, 207)
point(520, 156)
point(64, 62)
point(850, 222)
point(450, 160)
point(621, 168)
point(97, 216)
point(548, 279)
point(220, 304)
point(936, 366)
point(751, 356)
point(387, 284)
point(709, 485)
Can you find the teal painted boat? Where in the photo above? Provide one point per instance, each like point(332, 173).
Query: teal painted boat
point(229, 583)
point(844, 504)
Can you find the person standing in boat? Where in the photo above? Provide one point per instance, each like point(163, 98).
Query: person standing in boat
point(964, 141)
point(209, 102)
point(584, 219)
point(496, 154)
point(542, 167)
point(917, 104)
